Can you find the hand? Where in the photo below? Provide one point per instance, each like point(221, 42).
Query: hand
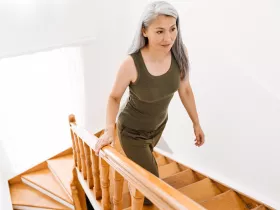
point(200, 138)
point(103, 140)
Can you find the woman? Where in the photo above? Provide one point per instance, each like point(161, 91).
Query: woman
point(156, 67)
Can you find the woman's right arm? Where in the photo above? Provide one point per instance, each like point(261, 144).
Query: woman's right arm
point(125, 75)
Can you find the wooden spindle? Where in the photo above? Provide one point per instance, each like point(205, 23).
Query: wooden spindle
point(88, 166)
point(82, 156)
point(78, 193)
point(137, 198)
point(96, 178)
point(118, 191)
point(79, 163)
point(105, 184)
point(73, 121)
point(74, 149)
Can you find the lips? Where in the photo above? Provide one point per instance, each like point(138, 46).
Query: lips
point(166, 45)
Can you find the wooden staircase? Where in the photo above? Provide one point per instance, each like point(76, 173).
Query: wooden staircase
point(62, 181)
point(45, 186)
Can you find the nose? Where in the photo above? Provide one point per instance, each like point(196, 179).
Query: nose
point(167, 37)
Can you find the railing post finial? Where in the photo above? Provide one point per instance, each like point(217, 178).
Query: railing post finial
point(72, 118)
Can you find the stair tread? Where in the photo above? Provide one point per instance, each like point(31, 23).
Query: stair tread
point(63, 174)
point(261, 207)
point(228, 200)
point(181, 179)
point(201, 190)
point(151, 207)
point(23, 195)
point(161, 161)
point(168, 170)
point(46, 180)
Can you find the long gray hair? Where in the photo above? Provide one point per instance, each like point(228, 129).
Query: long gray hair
point(150, 13)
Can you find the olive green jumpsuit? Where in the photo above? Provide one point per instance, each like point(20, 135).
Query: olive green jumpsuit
point(144, 117)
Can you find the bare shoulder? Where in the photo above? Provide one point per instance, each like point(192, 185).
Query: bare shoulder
point(125, 75)
point(128, 68)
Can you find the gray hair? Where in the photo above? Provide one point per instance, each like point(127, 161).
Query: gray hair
point(150, 13)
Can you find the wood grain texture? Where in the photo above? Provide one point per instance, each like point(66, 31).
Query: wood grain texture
point(201, 190)
point(45, 180)
point(228, 200)
point(62, 169)
point(181, 179)
point(168, 170)
point(23, 195)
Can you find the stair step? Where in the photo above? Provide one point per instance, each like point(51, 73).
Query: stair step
point(161, 161)
point(168, 170)
point(24, 196)
point(45, 182)
point(62, 170)
point(181, 179)
point(150, 207)
point(228, 200)
point(261, 207)
point(156, 155)
point(201, 190)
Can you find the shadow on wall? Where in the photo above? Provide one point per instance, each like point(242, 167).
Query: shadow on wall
point(5, 164)
point(162, 144)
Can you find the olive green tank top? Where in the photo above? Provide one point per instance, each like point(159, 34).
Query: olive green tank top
point(149, 96)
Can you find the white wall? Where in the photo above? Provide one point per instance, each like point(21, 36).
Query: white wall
point(5, 172)
point(103, 57)
point(27, 28)
point(31, 25)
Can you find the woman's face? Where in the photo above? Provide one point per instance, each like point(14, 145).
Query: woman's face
point(161, 33)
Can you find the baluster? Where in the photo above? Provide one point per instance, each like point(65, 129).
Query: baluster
point(78, 194)
point(96, 177)
point(73, 121)
point(137, 198)
point(83, 159)
point(74, 149)
point(118, 190)
point(78, 152)
point(88, 166)
point(105, 184)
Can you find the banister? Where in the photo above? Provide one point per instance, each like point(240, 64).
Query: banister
point(160, 193)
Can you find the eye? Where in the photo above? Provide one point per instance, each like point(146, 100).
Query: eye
point(173, 29)
point(159, 32)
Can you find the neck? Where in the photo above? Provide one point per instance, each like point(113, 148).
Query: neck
point(156, 55)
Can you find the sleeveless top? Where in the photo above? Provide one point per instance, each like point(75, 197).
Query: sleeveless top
point(149, 96)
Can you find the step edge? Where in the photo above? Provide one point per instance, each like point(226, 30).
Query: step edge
point(49, 194)
point(200, 182)
point(27, 178)
point(22, 207)
point(180, 172)
point(223, 194)
point(171, 164)
point(60, 182)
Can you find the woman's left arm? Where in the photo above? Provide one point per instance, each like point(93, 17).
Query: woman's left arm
point(188, 100)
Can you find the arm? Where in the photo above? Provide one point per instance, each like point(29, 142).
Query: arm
point(124, 76)
point(187, 98)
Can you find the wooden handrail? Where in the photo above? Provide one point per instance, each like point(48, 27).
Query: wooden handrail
point(160, 193)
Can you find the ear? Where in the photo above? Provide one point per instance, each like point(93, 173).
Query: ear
point(144, 32)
